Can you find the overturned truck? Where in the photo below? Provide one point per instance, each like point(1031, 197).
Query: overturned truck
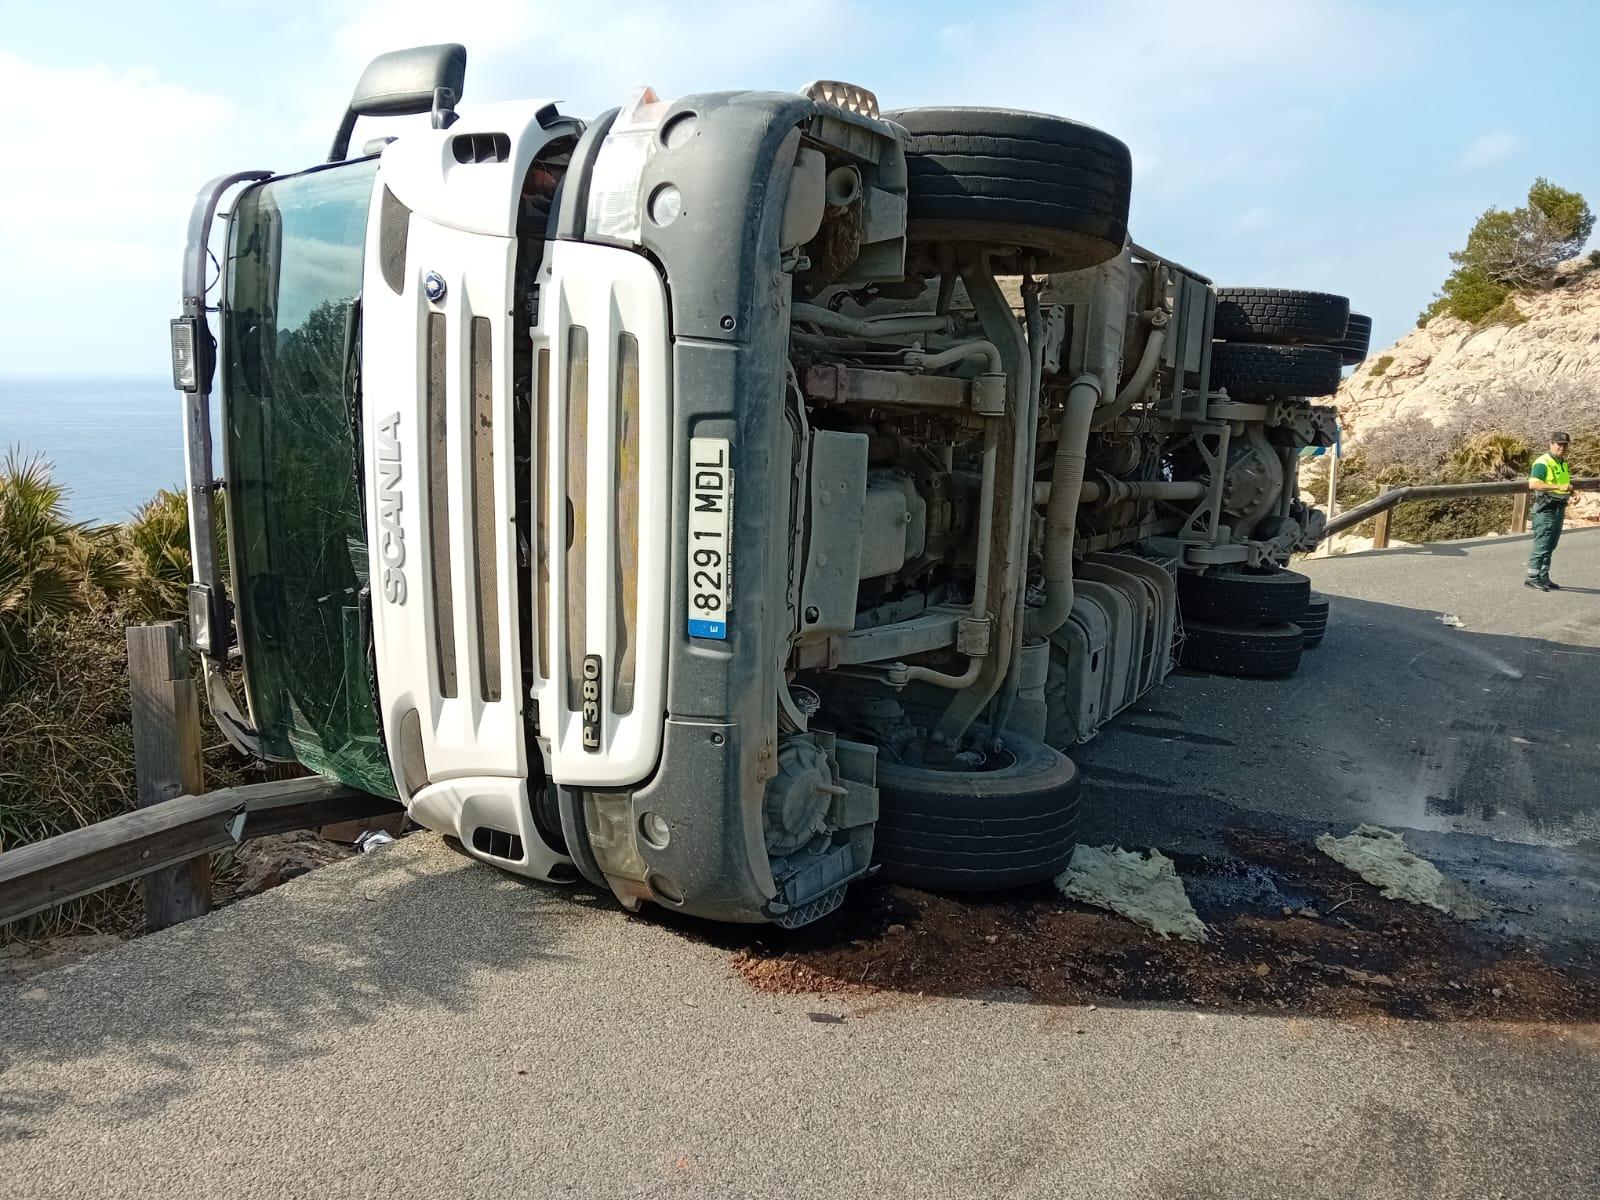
point(730, 497)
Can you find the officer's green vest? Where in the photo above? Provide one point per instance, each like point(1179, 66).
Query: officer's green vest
point(1556, 471)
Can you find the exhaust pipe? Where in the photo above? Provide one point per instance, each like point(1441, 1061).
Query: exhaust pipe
point(1060, 516)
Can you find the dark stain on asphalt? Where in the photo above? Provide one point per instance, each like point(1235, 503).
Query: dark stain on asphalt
point(1174, 735)
point(1115, 776)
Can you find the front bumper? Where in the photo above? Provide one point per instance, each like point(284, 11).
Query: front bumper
point(691, 834)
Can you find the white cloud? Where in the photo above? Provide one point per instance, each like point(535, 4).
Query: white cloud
point(1227, 108)
point(103, 148)
point(1493, 147)
point(99, 177)
point(594, 54)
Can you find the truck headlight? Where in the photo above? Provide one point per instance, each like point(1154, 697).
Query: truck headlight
point(185, 360)
point(614, 184)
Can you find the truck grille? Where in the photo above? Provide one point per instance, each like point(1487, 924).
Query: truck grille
point(625, 572)
point(577, 462)
point(486, 579)
point(465, 572)
point(602, 514)
point(444, 613)
point(541, 508)
point(439, 373)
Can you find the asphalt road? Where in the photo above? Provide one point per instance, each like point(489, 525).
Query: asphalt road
point(410, 1023)
point(1481, 740)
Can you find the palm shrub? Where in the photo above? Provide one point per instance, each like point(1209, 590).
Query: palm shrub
point(155, 545)
point(50, 567)
point(1482, 458)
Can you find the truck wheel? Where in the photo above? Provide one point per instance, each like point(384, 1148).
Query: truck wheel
point(1248, 596)
point(1357, 340)
point(1255, 652)
point(1279, 316)
point(1249, 370)
point(1017, 179)
point(978, 830)
point(1314, 621)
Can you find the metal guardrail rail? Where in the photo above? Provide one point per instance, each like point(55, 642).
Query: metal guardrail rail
point(135, 844)
point(1381, 505)
point(168, 840)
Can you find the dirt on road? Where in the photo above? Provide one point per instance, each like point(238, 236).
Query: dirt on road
point(1290, 932)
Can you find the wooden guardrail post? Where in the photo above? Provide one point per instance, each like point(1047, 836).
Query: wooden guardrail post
point(1380, 524)
point(166, 754)
point(1519, 512)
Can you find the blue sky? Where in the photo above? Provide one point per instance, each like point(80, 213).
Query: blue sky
point(1328, 144)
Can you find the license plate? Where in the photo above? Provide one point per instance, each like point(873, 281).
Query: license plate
point(707, 559)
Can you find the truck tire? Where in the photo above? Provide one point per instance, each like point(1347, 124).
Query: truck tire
point(1248, 370)
point(1357, 340)
point(1254, 652)
point(978, 831)
point(1020, 179)
point(1250, 595)
point(1313, 621)
point(1279, 316)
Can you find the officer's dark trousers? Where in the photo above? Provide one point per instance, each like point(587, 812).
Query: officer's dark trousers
point(1546, 533)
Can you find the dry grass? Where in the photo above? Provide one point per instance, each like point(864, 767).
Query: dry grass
point(67, 594)
point(1493, 437)
point(66, 758)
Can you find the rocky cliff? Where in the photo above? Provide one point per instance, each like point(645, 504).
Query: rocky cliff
point(1451, 373)
point(1414, 403)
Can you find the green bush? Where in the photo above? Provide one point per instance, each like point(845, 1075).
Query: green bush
point(1416, 451)
point(1383, 363)
point(1512, 249)
point(1520, 247)
point(1482, 458)
point(1468, 295)
point(1504, 313)
point(1449, 520)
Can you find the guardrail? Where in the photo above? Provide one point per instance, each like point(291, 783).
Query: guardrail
point(1388, 499)
point(168, 841)
point(167, 837)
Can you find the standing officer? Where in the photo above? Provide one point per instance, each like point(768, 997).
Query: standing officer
point(1550, 480)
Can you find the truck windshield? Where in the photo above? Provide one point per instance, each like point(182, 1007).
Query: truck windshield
point(296, 528)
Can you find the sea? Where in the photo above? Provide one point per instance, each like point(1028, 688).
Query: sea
point(112, 443)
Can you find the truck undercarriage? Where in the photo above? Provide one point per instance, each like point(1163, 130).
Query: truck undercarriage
point(762, 492)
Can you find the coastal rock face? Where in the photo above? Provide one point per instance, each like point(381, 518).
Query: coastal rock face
point(1436, 372)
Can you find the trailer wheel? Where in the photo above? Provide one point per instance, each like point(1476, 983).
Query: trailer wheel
point(1248, 596)
point(978, 830)
point(1249, 370)
point(1019, 179)
point(1313, 621)
point(1357, 340)
point(1255, 652)
point(1279, 316)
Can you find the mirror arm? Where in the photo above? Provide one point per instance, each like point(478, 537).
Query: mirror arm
point(444, 107)
point(341, 140)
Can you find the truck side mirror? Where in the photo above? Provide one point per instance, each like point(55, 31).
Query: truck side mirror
point(401, 82)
